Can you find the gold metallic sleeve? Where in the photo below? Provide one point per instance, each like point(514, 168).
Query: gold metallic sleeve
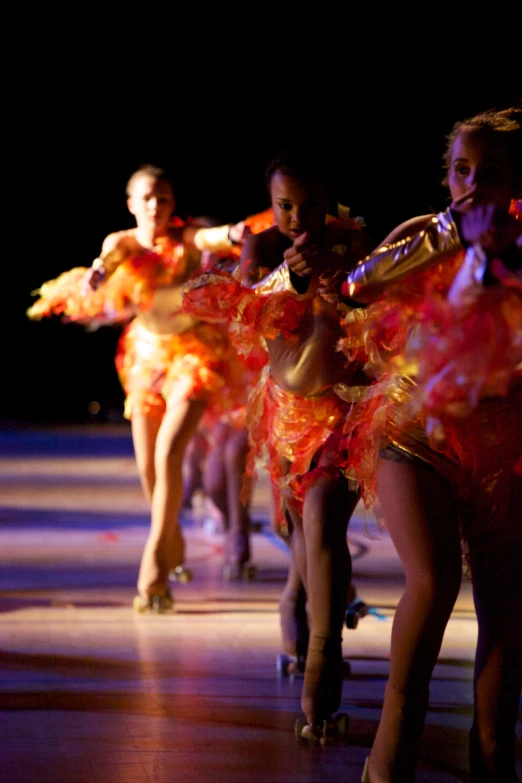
point(213, 239)
point(391, 263)
point(275, 282)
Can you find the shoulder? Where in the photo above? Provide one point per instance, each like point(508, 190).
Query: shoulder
point(118, 240)
point(262, 244)
point(261, 253)
point(407, 229)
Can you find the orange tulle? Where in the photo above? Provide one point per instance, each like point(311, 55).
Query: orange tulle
point(199, 362)
point(219, 297)
point(461, 411)
point(128, 290)
point(297, 439)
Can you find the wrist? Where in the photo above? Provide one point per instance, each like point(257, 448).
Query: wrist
point(230, 237)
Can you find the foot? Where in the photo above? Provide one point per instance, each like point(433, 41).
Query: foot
point(323, 681)
point(153, 604)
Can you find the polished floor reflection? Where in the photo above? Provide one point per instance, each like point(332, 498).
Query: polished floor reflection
point(92, 693)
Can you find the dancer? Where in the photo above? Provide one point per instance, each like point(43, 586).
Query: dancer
point(172, 366)
point(293, 410)
point(449, 471)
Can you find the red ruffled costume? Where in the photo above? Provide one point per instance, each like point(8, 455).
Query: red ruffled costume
point(296, 438)
point(198, 356)
point(461, 413)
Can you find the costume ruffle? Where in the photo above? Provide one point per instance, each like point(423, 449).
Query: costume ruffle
point(130, 288)
point(447, 391)
point(297, 439)
point(199, 361)
point(219, 297)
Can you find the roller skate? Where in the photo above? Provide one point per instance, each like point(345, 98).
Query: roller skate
point(239, 572)
point(322, 691)
point(290, 665)
point(255, 525)
point(181, 574)
point(357, 610)
point(154, 604)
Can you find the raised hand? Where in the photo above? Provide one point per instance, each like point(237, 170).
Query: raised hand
point(302, 255)
point(491, 228)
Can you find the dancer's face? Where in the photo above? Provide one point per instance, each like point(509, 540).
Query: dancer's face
point(300, 204)
point(481, 168)
point(151, 202)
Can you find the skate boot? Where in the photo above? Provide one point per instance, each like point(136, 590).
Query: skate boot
point(154, 604)
point(322, 691)
point(181, 574)
point(239, 572)
point(290, 665)
point(357, 610)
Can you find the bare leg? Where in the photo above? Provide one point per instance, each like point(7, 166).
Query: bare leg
point(144, 433)
point(292, 611)
point(497, 590)
point(164, 549)
point(214, 476)
point(328, 507)
point(193, 467)
point(236, 452)
point(423, 526)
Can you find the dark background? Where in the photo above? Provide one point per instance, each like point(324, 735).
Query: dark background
point(73, 141)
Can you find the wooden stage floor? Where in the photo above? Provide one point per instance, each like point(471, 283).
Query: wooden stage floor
point(92, 693)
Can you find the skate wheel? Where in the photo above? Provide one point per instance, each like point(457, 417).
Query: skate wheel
point(181, 574)
point(305, 732)
point(250, 573)
point(156, 604)
point(255, 526)
point(282, 663)
point(342, 723)
point(351, 620)
point(231, 572)
point(299, 726)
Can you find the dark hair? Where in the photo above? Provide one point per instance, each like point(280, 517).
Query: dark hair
point(507, 122)
point(301, 162)
point(148, 170)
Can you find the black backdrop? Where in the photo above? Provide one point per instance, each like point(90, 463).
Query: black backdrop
point(70, 153)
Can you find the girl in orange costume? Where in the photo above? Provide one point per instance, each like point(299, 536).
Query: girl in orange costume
point(172, 366)
point(444, 427)
point(293, 412)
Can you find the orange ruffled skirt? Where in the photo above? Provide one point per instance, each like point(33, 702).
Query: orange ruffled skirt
point(297, 439)
point(197, 363)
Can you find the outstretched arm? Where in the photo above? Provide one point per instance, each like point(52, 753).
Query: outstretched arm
point(215, 239)
point(412, 246)
point(111, 256)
